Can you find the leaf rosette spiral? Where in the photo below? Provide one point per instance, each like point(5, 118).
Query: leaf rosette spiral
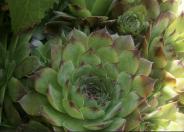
point(100, 82)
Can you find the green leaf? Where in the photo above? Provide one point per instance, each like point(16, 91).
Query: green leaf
point(117, 124)
point(33, 126)
point(52, 116)
point(145, 67)
point(77, 97)
point(55, 98)
point(79, 2)
point(11, 113)
point(178, 46)
point(111, 70)
point(56, 53)
point(26, 13)
point(27, 66)
point(176, 68)
point(124, 43)
point(128, 62)
point(153, 8)
point(175, 29)
point(113, 110)
point(100, 38)
point(133, 121)
point(65, 73)
point(130, 102)
point(98, 125)
point(143, 85)
point(73, 51)
point(157, 52)
point(107, 54)
point(22, 49)
point(125, 78)
point(179, 85)
point(92, 112)
point(72, 110)
point(78, 36)
point(33, 103)
point(16, 90)
point(166, 111)
point(170, 5)
point(79, 11)
point(101, 7)
point(47, 76)
point(161, 24)
point(91, 59)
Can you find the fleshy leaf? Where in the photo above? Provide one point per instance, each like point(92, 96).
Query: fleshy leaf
point(47, 77)
point(145, 67)
point(97, 125)
point(176, 68)
point(124, 43)
point(179, 84)
point(56, 53)
point(22, 47)
point(52, 116)
point(11, 112)
point(113, 110)
point(27, 66)
point(143, 85)
point(65, 73)
point(107, 54)
point(111, 70)
point(72, 109)
point(101, 7)
point(133, 121)
point(128, 62)
point(16, 89)
point(118, 124)
point(90, 58)
point(166, 111)
point(79, 11)
point(78, 36)
point(130, 102)
point(77, 97)
point(181, 98)
point(34, 126)
point(55, 98)
point(92, 112)
point(125, 81)
point(72, 52)
point(32, 103)
point(157, 52)
point(100, 38)
point(170, 5)
point(153, 8)
point(161, 24)
point(176, 26)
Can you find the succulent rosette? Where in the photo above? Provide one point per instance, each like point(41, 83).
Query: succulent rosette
point(98, 85)
point(133, 21)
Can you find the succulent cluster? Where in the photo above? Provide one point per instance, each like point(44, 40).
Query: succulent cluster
point(92, 65)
